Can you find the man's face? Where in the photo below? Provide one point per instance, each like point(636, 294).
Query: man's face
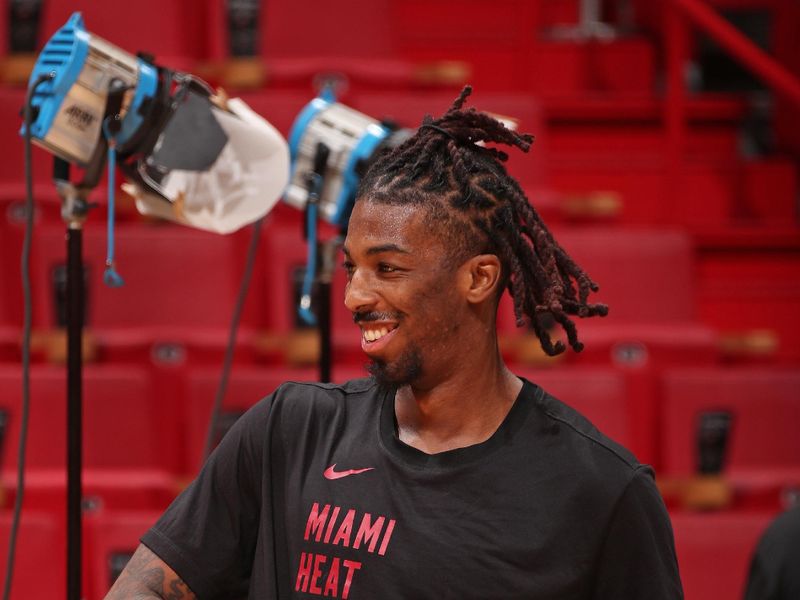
point(402, 292)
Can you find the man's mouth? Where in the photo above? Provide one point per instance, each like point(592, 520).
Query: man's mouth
point(376, 335)
point(373, 334)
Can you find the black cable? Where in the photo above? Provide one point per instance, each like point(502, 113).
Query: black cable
point(229, 350)
point(26, 337)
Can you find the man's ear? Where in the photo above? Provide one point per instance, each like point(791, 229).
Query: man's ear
point(481, 276)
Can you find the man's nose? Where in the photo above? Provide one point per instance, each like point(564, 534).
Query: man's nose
point(359, 294)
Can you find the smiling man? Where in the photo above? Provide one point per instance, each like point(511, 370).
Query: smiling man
point(444, 475)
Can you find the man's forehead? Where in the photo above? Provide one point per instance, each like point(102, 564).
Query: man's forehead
point(386, 227)
point(397, 212)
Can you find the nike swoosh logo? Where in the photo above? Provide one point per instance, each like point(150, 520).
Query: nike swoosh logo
point(330, 473)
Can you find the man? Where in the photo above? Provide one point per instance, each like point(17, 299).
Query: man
point(775, 565)
point(444, 475)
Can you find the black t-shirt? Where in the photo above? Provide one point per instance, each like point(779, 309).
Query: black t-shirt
point(312, 494)
point(775, 566)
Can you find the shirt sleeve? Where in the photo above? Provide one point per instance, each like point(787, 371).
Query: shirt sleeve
point(637, 559)
point(208, 534)
point(775, 566)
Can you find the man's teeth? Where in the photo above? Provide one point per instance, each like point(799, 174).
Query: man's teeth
point(372, 335)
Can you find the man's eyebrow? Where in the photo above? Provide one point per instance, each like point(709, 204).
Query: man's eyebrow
point(386, 248)
point(379, 249)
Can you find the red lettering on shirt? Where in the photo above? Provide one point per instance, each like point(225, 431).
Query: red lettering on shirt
point(368, 532)
point(321, 574)
point(345, 529)
point(310, 575)
point(316, 521)
point(351, 567)
point(332, 583)
point(386, 537)
point(318, 562)
point(304, 572)
point(331, 523)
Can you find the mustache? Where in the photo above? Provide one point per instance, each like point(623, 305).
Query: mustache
point(367, 316)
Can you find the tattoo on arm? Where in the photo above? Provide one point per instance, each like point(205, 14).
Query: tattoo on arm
point(147, 576)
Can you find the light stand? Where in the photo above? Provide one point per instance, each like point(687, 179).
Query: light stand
point(320, 266)
point(74, 209)
point(327, 251)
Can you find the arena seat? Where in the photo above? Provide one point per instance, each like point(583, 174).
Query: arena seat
point(763, 451)
point(175, 278)
point(749, 279)
point(714, 551)
point(171, 31)
point(646, 278)
point(10, 279)
point(495, 39)
point(12, 167)
point(122, 419)
point(111, 539)
point(363, 29)
point(765, 405)
point(40, 567)
point(644, 274)
point(103, 489)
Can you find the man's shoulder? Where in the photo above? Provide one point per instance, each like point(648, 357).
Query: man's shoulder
point(300, 397)
point(585, 442)
point(314, 390)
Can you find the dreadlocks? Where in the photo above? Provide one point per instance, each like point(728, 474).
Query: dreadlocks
point(481, 209)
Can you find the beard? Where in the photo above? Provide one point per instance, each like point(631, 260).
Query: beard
point(403, 371)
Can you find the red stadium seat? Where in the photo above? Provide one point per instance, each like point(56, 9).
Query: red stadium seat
point(175, 278)
point(748, 280)
point(714, 551)
point(287, 29)
point(39, 570)
point(495, 39)
point(12, 167)
point(122, 419)
point(172, 31)
point(300, 47)
point(646, 279)
point(111, 539)
point(108, 489)
point(763, 451)
point(645, 275)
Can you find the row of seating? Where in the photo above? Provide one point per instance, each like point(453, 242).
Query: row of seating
point(137, 419)
point(178, 277)
point(510, 44)
point(182, 284)
point(577, 169)
point(110, 538)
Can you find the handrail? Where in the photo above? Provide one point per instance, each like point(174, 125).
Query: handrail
point(730, 38)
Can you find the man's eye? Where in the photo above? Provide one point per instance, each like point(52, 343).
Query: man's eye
point(384, 268)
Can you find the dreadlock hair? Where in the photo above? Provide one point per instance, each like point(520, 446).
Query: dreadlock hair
point(480, 209)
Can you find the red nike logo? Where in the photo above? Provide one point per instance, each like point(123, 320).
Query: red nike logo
point(330, 473)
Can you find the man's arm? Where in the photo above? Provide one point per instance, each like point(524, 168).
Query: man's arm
point(147, 576)
point(638, 557)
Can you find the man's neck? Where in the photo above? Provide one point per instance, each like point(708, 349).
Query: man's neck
point(461, 410)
